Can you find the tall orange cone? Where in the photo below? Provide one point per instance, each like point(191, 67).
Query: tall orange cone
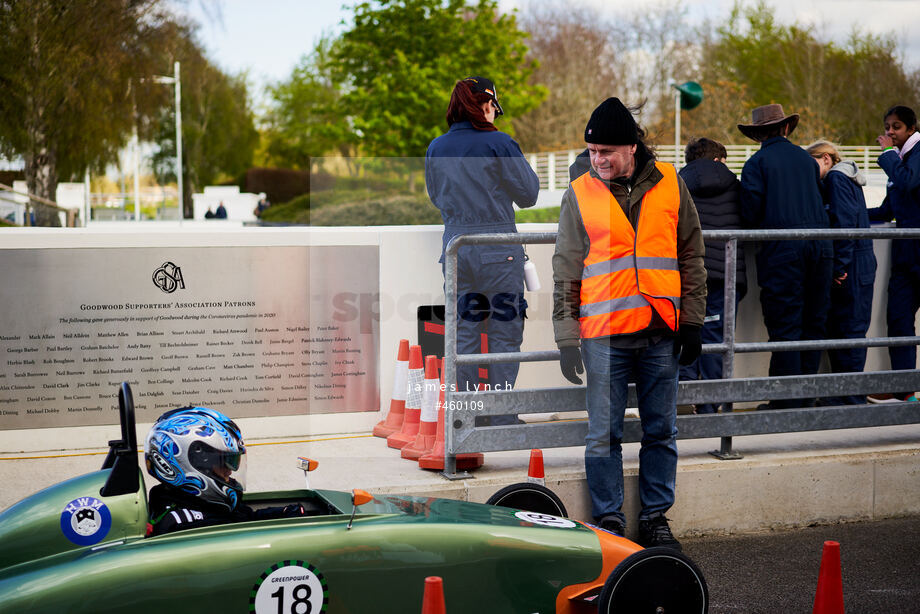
point(535, 473)
point(433, 598)
point(428, 419)
point(393, 421)
point(414, 388)
point(435, 458)
point(829, 595)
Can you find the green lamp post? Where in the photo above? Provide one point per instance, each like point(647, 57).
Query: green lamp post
point(687, 96)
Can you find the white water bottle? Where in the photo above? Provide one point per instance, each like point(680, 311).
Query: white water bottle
point(531, 279)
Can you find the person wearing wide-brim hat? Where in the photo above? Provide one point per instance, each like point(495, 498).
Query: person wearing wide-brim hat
point(767, 121)
point(781, 188)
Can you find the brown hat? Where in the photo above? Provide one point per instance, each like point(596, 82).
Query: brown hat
point(767, 116)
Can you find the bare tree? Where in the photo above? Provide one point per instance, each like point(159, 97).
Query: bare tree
point(587, 56)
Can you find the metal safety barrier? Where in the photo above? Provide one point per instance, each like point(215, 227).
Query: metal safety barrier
point(462, 435)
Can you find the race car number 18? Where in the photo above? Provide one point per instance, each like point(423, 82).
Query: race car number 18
point(289, 587)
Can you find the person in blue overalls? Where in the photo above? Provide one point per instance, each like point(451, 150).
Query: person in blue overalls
point(854, 263)
point(781, 188)
point(901, 162)
point(473, 174)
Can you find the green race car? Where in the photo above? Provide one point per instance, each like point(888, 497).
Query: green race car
point(81, 546)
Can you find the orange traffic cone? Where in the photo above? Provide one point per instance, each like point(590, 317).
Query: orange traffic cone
point(535, 469)
point(393, 421)
point(428, 420)
point(829, 595)
point(433, 598)
point(435, 458)
point(409, 429)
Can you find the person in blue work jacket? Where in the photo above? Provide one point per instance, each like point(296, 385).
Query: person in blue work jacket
point(901, 162)
point(781, 188)
point(474, 173)
point(854, 263)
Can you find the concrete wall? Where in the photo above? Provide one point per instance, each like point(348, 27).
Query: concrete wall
point(409, 276)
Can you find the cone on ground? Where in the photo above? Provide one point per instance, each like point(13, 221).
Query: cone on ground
point(428, 420)
point(393, 421)
point(433, 598)
point(409, 429)
point(435, 458)
point(829, 595)
point(535, 473)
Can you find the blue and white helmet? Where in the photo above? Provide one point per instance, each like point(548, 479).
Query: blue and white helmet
point(199, 451)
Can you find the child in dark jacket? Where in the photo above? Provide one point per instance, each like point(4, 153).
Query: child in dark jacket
point(716, 193)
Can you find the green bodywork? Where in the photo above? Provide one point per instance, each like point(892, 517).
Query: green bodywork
point(491, 561)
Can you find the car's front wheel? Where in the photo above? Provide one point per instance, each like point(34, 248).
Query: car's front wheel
point(653, 581)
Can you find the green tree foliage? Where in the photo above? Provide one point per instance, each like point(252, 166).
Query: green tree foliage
point(69, 77)
point(218, 127)
point(400, 60)
point(305, 119)
point(839, 90)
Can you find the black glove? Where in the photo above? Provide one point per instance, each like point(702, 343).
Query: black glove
point(570, 363)
point(293, 510)
point(688, 344)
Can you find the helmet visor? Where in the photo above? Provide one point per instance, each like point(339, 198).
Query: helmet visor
point(228, 468)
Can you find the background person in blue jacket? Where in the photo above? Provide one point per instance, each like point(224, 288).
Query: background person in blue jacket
point(474, 173)
point(716, 193)
point(854, 263)
point(781, 188)
point(901, 162)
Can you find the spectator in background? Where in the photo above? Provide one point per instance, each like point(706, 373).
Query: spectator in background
point(781, 188)
point(901, 162)
point(629, 289)
point(474, 174)
point(261, 206)
point(854, 262)
point(716, 193)
point(221, 213)
point(209, 214)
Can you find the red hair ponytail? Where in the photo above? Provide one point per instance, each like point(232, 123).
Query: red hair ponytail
point(466, 106)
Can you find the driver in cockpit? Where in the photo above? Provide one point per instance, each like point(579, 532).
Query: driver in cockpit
point(199, 457)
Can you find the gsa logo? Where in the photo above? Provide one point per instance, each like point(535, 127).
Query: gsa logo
point(168, 278)
point(86, 521)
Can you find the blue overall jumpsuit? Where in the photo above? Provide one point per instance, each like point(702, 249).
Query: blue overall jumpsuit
point(902, 203)
point(851, 299)
point(781, 188)
point(473, 177)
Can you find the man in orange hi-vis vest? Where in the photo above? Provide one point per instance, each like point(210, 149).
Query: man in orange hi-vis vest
point(630, 290)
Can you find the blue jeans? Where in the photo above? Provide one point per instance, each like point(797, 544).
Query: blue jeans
point(608, 371)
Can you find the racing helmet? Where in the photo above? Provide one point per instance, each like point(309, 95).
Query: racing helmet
point(201, 452)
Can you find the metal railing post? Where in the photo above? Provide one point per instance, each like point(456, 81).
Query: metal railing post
point(450, 358)
point(728, 336)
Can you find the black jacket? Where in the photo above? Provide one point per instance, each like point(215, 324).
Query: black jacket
point(174, 510)
point(717, 195)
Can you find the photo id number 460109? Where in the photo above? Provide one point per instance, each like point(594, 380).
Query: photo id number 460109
point(464, 405)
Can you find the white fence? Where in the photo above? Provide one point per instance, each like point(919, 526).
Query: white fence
point(552, 167)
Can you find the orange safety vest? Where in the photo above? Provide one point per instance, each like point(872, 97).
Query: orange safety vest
point(629, 272)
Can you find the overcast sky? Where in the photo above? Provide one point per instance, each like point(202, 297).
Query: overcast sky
point(268, 38)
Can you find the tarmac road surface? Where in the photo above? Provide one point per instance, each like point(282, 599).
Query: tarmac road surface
point(777, 572)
